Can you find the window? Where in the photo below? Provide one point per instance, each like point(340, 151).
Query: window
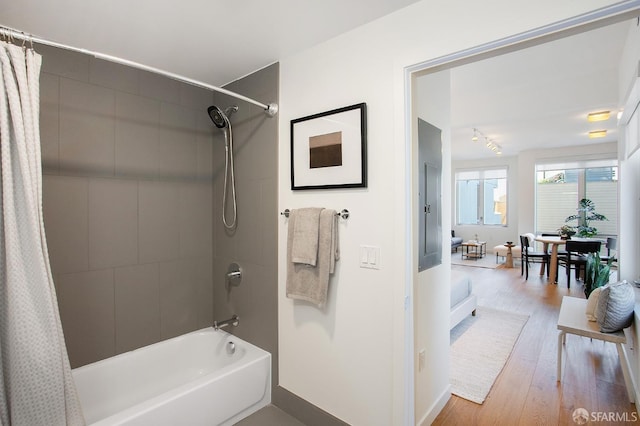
point(481, 197)
point(560, 187)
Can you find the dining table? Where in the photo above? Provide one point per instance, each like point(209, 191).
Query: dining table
point(555, 242)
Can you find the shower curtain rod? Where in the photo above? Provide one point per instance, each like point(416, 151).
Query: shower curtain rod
point(270, 109)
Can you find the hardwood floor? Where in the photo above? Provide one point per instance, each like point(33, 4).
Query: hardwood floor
point(526, 392)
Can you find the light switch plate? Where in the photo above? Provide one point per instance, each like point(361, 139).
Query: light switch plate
point(370, 257)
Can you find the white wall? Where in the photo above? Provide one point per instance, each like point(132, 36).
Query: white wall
point(629, 239)
point(629, 69)
point(341, 358)
point(348, 359)
point(433, 286)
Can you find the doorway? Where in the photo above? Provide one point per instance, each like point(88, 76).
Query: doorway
point(444, 65)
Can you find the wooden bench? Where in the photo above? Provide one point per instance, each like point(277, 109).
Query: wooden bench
point(573, 320)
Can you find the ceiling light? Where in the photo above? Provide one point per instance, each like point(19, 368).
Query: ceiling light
point(490, 144)
point(598, 116)
point(597, 133)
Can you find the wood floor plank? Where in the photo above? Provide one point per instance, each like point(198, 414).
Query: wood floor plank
point(527, 392)
point(543, 399)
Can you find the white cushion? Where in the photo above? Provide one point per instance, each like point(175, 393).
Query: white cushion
point(592, 304)
point(531, 238)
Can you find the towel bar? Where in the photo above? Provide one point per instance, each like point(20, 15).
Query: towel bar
point(344, 213)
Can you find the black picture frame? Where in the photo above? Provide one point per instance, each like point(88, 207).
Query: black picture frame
point(329, 149)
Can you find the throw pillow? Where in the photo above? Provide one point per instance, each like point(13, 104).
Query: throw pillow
point(615, 307)
point(592, 304)
point(532, 239)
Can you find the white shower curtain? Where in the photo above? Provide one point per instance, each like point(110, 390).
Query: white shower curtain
point(36, 386)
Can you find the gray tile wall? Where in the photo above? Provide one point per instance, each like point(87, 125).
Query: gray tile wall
point(128, 203)
point(253, 245)
point(133, 183)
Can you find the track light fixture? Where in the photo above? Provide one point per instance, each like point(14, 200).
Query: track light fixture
point(497, 149)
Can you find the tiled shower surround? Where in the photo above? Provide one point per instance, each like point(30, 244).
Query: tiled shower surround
point(132, 192)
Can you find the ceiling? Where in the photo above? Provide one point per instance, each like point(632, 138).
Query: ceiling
point(212, 41)
point(533, 98)
point(538, 97)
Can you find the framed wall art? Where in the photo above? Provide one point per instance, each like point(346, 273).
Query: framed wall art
point(329, 149)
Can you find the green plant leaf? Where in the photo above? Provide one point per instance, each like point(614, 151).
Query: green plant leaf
point(596, 273)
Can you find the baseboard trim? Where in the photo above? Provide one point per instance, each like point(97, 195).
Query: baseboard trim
point(436, 408)
point(303, 410)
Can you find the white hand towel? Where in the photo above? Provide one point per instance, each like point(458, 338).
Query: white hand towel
point(305, 235)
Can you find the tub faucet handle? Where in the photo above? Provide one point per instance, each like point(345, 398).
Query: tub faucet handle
point(233, 276)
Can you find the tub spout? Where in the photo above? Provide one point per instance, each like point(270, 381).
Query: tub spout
point(234, 321)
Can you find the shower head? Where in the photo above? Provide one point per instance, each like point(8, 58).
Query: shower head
point(217, 116)
point(220, 118)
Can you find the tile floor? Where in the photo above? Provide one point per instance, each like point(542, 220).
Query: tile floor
point(270, 416)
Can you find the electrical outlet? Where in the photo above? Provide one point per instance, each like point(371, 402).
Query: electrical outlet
point(421, 359)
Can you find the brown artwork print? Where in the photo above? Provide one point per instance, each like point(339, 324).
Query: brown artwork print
point(325, 150)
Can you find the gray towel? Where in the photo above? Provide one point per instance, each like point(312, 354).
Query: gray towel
point(307, 282)
point(334, 252)
point(304, 248)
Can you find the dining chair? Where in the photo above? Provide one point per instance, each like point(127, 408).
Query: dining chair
point(531, 256)
point(610, 245)
point(576, 257)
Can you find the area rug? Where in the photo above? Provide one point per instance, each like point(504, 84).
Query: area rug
point(488, 261)
point(480, 347)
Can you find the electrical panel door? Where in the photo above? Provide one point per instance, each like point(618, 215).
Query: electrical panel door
point(430, 195)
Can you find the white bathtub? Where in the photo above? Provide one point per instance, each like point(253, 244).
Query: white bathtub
point(192, 379)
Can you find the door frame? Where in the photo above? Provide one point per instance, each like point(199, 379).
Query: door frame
point(581, 23)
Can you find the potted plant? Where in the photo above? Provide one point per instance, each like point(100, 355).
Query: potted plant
point(566, 231)
point(586, 214)
point(596, 273)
